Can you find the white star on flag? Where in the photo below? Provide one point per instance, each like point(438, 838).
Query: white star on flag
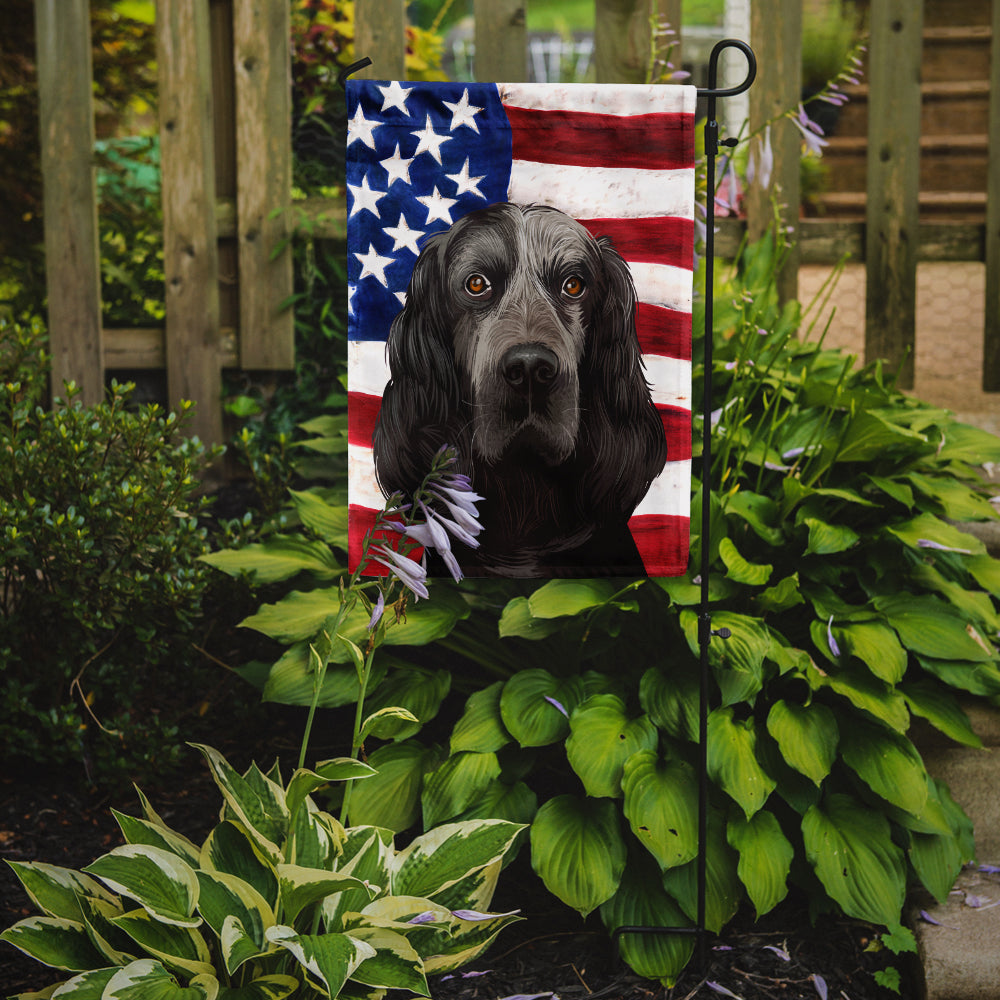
point(438, 206)
point(403, 236)
point(463, 113)
point(360, 128)
point(465, 183)
point(398, 167)
point(395, 97)
point(364, 197)
point(430, 142)
point(373, 264)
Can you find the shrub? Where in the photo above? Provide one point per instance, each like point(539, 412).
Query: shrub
point(99, 539)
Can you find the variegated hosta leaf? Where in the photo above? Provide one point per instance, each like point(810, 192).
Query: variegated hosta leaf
point(274, 987)
point(441, 857)
point(230, 849)
point(304, 782)
point(141, 831)
point(86, 986)
point(765, 858)
point(850, 847)
point(300, 887)
point(481, 727)
point(177, 947)
point(468, 939)
point(116, 946)
point(328, 959)
point(456, 784)
point(476, 890)
point(395, 964)
point(602, 737)
point(642, 902)
point(225, 897)
point(158, 880)
point(147, 979)
point(315, 838)
point(56, 891)
point(54, 941)
point(578, 851)
point(661, 800)
point(732, 760)
point(367, 853)
point(807, 736)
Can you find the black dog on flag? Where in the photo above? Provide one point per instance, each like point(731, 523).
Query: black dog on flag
point(517, 345)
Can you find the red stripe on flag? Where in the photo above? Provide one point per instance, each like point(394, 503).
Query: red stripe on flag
point(666, 332)
point(362, 414)
point(650, 142)
point(677, 430)
point(662, 541)
point(652, 240)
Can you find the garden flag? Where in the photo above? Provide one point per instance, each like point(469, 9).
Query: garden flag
point(520, 279)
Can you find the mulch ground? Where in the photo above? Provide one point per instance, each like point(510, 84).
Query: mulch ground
point(551, 953)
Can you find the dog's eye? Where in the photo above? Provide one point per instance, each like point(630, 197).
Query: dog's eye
point(477, 285)
point(573, 286)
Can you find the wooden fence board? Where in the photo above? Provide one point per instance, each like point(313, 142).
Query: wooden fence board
point(893, 184)
point(72, 257)
point(380, 34)
point(501, 41)
point(776, 37)
point(262, 61)
point(621, 40)
point(190, 253)
point(991, 332)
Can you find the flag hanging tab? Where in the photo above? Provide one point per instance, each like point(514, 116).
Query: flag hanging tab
point(520, 281)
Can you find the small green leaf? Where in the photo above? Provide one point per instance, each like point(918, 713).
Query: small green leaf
point(732, 760)
point(765, 858)
point(828, 539)
point(807, 736)
point(559, 598)
point(888, 763)
point(535, 706)
point(739, 569)
point(517, 620)
point(481, 727)
point(456, 784)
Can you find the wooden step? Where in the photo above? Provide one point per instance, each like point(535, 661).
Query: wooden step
point(939, 13)
point(957, 206)
point(956, 53)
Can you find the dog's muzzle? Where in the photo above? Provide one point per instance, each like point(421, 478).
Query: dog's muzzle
point(531, 371)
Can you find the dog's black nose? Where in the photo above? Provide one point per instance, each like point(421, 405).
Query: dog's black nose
point(529, 368)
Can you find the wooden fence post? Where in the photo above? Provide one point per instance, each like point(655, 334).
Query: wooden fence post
point(991, 333)
point(72, 255)
point(380, 34)
point(501, 41)
point(893, 183)
point(622, 40)
point(190, 251)
point(262, 60)
point(776, 35)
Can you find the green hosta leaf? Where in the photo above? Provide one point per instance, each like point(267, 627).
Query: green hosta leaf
point(443, 856)
point(765, 858)
point(758, 511)
point(481, 728)
point(986, 571)
point(330, 959)
point(516, 803)
point(738, 661)
point(850, 848)
point(159, 881)
point(230, 849)
point(456, 784)
point(976, 605)
point(225, 897)
point(391, 798)
point(965, 443)
point(54, 941)
point(559, 598)
point(928, 528)
point(827, 539)
point(292, 680)
point(279, 558)
point(641, 901)
point(671, 700)
point(865, 692)
point(723, 889)
point(517, 620)
point(260, 809)
point(870, 436)
point(301, 887)
point(327, 520)
point(893, 488)
point(752, 574)
point(56, 891)
point(529, 710)
point(141, 831)
point(602, 738)
point(957, 501)
point(931, 628)
point(661, 799)
point(976, 678)
point(147, 979)
point(888, 763)
point(876, 646)
point(418, 691)
point(275, 987)
point(180, 948)
point(807, 736)
point(941, 709)
point(783, 595)
point(937, 859)
point(395, 964)
point(732, 760)
point(578, 851)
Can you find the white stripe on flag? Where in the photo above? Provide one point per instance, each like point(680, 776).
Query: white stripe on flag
point(670, 492)
point(662, 285)
point(605, 99)
point(362, 486)
point(367, 366)
point(603, 192)
point(670, 380)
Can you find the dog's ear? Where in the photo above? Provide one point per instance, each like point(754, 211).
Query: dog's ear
point(422, 394)
point(624, 434)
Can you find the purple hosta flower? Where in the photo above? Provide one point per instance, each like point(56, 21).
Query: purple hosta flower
point(552, 701)
point(834, 648)
point(927, 543)
point(377, 612)
point(811, 132)
point(465, 975)
point(427, 917)
point(411, 574)
point(719, 988)
point(780, 952)
point(989, 869)
point(727, 198)
point(820, 983)
point(475, 915)
point(761, 162)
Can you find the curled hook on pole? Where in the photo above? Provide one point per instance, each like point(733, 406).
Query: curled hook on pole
point(353, 68)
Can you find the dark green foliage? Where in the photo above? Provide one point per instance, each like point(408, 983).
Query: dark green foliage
point(99, 540)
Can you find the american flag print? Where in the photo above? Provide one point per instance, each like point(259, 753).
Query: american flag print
point(618, 159)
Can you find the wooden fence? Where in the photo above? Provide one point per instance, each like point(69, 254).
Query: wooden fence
point(226, 160)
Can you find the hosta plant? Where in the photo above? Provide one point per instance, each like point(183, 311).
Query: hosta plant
point(279, 900)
